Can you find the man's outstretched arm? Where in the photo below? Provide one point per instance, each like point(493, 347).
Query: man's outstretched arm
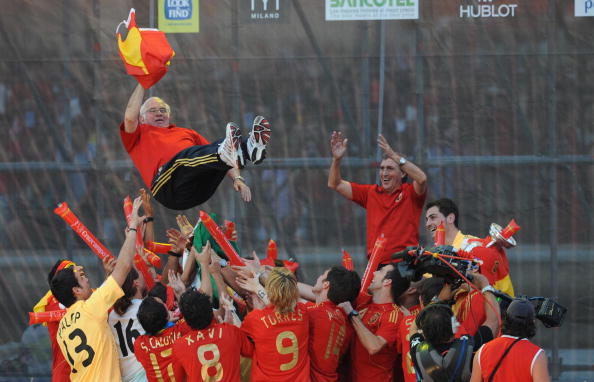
point(338, 146)
point(133, 109)
point(124, 261)
point(418, 176)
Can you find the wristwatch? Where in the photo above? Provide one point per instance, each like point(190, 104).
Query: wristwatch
point(353, 313)
point(402, 161)
point(488, 288)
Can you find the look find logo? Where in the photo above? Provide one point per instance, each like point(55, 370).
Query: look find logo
point(178, 9)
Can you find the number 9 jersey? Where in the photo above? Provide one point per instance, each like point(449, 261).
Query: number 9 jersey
point(281, 344)
point(85, 338)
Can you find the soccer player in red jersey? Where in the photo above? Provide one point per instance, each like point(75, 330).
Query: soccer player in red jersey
point(60, 368)
point(210, 351)
point(376, 323)
point(154, 349)
point(329, 330)
point(279, 332)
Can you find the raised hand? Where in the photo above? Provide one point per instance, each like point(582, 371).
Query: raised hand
point(243, 189)
point(176, 282)
point(338, 145)
point(203, 258)
point(184, 226)
point(386, 148)
point(146, 202)
point(177, 240)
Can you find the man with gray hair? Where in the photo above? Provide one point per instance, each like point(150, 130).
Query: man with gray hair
point(181, 168)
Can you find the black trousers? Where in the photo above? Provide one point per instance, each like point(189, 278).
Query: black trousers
point(191, 177)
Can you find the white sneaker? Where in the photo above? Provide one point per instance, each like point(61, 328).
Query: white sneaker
point(230, 149)
point(258, 139)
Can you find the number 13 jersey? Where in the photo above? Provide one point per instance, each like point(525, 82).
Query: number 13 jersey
point(85, 339)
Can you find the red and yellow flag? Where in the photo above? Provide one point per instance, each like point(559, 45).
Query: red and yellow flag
point(145, 52)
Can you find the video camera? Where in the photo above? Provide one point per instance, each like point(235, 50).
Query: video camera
point(547, 311)
point(416, 261)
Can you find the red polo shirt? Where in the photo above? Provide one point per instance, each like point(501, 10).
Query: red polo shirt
point(150, 147)
point(396, 215)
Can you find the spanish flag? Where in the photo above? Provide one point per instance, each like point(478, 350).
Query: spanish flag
point(145, 52)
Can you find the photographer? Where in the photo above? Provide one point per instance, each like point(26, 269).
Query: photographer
point(436, 353)
point(512, 357)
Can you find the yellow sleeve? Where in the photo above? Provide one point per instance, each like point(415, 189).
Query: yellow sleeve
point(103, 298)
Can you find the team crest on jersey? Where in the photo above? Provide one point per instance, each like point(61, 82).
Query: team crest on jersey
point(376, 316)
point(495, 267)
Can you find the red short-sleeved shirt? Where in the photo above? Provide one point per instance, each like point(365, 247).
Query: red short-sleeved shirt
point(150, 147)
point(329, 336)
point(517, 364)
point(396, 215)
point(404, 345)
point(154, 352)
point(60, 368)
point(470, 311)
point(382, 320)
point(210, 353)
point(280, 344)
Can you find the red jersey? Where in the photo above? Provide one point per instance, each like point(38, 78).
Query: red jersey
point(517, 364)
point(382, 320)
point(280, 344)
point(60, 368)
point(150, 147)
point(470, 311)
point(403, 345)
point(396, 215)
point(210, 354)
point(329, 336)
point(154, 352)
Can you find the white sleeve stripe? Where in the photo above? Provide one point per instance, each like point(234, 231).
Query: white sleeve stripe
point(534, 360)
point(478, 355)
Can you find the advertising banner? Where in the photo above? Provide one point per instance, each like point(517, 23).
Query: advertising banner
point(584, 8)
point(179, 16)
point(372, 10)
point(265, 11)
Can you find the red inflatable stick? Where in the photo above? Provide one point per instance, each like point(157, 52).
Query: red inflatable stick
point(77, 226)
point(222, 241)
point(138, 260)
point(271, 254)
point(47, 316)
point(143, 269)
point(440, 235)
point(160, 248)
point(272, 250)
point(347, 260)
point(152, 258)
point(374, 260)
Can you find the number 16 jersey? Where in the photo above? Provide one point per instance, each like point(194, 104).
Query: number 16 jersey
point(85, 339)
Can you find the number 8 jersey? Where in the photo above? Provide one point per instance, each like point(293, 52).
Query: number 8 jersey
point(85, 339)
point(281, 344)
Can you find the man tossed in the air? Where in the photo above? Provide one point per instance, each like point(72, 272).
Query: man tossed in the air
point(181, 168)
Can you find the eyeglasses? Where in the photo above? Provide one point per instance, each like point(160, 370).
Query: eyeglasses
point(161, 110)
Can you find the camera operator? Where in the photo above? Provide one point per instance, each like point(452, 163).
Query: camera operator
point(436, 353)
point(512, 357)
